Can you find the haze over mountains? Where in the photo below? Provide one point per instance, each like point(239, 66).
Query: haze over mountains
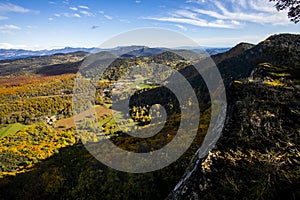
point(134, 51)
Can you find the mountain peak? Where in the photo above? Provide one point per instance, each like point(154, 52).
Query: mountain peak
point(282, 36)
point(233, 52)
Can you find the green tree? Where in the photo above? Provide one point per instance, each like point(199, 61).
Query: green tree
point(293, 7)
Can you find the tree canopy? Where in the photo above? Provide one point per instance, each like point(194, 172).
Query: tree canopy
point(293, 7)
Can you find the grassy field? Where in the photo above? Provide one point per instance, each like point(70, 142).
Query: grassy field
point(142, 85)
point(67, 123)
point(11, 129)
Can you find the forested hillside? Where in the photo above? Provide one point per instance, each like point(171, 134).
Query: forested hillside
point(43, 157)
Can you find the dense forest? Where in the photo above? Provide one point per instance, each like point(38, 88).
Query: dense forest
point(39, 141)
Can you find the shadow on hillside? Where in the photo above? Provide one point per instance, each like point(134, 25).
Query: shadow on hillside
point(74, 173)
point(58, 69)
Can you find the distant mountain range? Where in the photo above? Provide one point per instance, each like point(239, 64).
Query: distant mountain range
point(118, 51)
point(21, 53)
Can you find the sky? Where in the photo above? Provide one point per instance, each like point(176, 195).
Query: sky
point(42, 24)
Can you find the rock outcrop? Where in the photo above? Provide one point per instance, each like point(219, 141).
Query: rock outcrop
point(258, 155)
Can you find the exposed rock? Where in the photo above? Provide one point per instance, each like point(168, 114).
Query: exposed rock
point(258, 155)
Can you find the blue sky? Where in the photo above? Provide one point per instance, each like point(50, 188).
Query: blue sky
point(51, 24)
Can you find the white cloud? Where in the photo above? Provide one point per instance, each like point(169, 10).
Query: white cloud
point(262, 6)
point(195, 1)
point(73, 8)
point(76, 15)
point(83, 7)
point(8, 28)
point(86, 13)
point(50, 19)
point(237, 23)
point(195, 22)
point(29, 47)
point(137, 1)
point(181, 27)
point(9, 7)
point(255, 11)
point(243, 3)
point(11, 46)
point(208, 12)
point(184, 13)
point(70, 15)
point(107, 17)
point(226, 14)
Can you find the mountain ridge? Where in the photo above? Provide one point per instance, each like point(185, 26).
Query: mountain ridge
point(257, 155)
point(6, 54)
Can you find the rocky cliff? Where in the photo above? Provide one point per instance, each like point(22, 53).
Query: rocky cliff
point(257, 156)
